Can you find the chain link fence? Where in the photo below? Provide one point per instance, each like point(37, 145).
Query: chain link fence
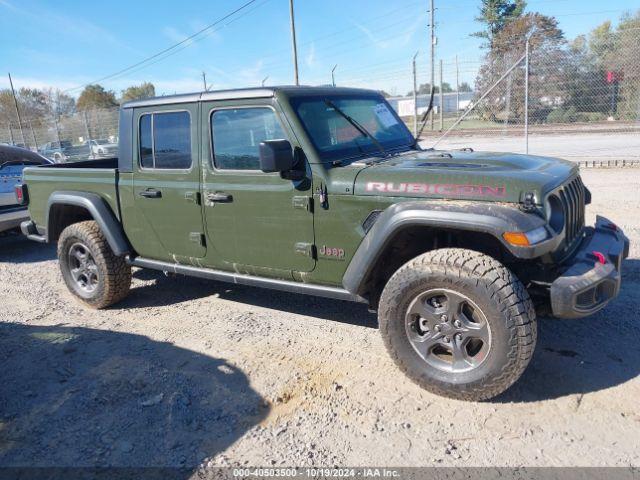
point(555, 101)
point(89, 134)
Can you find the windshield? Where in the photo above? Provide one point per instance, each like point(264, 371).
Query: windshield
point(335, 138)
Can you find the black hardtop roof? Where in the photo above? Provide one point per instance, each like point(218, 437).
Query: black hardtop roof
point(241, 93)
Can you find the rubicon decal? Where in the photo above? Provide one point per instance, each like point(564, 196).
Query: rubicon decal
point(452, 189)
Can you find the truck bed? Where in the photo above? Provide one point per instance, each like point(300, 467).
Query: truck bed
point(93, 176)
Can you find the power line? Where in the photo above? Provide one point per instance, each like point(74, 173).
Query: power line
point(166, 50)
point(186, 45)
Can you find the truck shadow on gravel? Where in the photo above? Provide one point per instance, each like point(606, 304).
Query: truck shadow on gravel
point(85, 397)
point(16, 248)
point(171, 290)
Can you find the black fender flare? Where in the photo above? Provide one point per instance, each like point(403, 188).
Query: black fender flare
point(99, 211)
point(491, 218)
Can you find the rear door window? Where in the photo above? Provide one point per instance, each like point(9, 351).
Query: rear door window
point(165, 141)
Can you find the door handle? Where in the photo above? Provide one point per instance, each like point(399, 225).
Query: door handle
point(219, 197)
point(151, 193)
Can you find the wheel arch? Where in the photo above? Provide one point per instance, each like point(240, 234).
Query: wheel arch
point(408, 229)
point(65, 208)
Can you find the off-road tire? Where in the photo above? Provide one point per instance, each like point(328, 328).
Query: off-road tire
point(113, 272)
point(499, 295)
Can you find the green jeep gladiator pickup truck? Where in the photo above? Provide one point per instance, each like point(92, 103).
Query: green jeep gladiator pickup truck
point(324, 191)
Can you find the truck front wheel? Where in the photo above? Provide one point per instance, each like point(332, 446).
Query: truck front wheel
point(89, 267)
point(458, 323)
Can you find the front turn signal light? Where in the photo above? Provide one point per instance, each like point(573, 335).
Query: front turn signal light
point(526, 239)
point(517, 239)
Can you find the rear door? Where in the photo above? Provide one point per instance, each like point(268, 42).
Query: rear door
point(256, 222)
point(166, 182)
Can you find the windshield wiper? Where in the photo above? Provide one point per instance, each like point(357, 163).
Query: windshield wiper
point(354, 123)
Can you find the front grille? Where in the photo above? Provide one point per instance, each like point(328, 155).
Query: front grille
point(572, 198)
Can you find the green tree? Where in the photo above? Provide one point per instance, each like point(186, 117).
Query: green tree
point(546, 81)
point(624, 61)
point(95, 96)
point(601, 43)
point(495, 15)
point(32, 102)
point(464, 87)
point(137, 92)
point(60, 104)
point(606, 49)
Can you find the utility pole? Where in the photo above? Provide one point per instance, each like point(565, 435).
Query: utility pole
point(55, 121)
point(415, 97)
point(441, 100)
point(15, 102)
point(33, 134)
point(333, 77)
point(526, 97)
point(204, 81)
point(293, 41)
point(264, 80)
point(432, 26)
point(457, 87)
point(86, 126)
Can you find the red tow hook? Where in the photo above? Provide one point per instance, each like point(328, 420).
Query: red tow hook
point(611, 226)
point(599, 257)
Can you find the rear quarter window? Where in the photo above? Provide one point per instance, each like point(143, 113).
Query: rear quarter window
point(165, 141)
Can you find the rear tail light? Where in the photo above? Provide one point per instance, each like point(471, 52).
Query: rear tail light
point(22, 196)
point(600, 258)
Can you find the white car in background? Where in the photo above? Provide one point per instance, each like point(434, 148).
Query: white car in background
point(104, 148)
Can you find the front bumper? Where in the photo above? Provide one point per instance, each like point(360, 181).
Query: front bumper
point(587, 285)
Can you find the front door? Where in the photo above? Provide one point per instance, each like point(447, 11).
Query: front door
point(256, 222)
point(167, 183)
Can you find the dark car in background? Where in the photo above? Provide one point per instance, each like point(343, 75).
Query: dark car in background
point(12, 161)
point(56, 151)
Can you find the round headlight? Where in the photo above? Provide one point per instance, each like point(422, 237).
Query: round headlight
point(555, 213)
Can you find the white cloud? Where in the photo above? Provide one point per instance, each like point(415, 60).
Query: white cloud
point(251, 76)
point(396, 41)
point(310, 58)
point(165, 86)
point(378, 43)
point(8, 5)
point(31, 82)
point(175, 35)
point(74, 26)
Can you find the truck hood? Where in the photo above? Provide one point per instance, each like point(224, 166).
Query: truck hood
point(487, 176)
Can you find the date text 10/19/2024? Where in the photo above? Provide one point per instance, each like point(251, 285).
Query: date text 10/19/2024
point(316, 472)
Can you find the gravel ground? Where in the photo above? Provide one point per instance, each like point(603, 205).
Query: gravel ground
point(187, 372)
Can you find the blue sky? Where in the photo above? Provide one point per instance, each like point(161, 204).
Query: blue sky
point(68, 43)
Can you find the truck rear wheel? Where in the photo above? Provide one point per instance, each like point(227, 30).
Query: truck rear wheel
point(89, 267)
point(458, 323)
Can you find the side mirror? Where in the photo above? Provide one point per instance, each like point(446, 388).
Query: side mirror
point(276, 156)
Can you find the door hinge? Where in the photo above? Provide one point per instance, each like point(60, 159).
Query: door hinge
point(197, 237)
point(304, 203)
point(306, 249)
point(192, 197)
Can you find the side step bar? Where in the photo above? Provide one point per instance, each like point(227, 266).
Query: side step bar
point(230, 277)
